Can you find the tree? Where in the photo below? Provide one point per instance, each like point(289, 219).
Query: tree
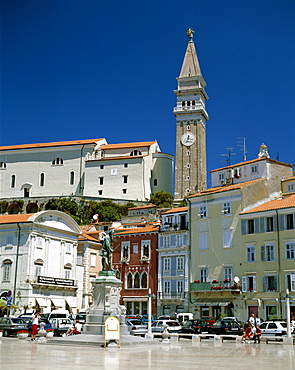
point(162, 199)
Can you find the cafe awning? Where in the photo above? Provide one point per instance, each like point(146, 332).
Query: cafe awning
point(71, 301)
point(58, 302)
point(43, 302)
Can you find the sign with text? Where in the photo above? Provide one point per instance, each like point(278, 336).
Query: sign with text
point(112, 329)
point(55, 281)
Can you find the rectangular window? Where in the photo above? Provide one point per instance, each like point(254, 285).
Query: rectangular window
point(125, 165)
point(135, 248)
point(203, 212)
point(269, 283)
point(249, 283)
point(268, 252)
point(38, 270)
point(254, 168)
point(179, 240)
point(227, 238)
point(166, 264)
point(226, 209)
point(204, 275)
point(39, 242)
point(124, 191)
point(69, 248)
point(101, 166)
point(125, 179)
point(67, 273)
point(179, 286)
point(203, 241)
point(9, 239)
point(93, 260)
point(228, 273)
point(250, 226)
point(290, 221)
point(290, 282)
point(180, 263)
point(6, 271)
point(125, 251)
point(291, 187)
point(250, 253)
point(100, 180)
point(99, 192)
point(166, 241)
point(221, 176)
point(290, 251)
point(167, 287)
point(79, 260)
point(269, 224)
point(145, 249)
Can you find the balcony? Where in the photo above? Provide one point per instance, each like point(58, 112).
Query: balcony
point(171, 295)
point(215, 285)
point(173, 227)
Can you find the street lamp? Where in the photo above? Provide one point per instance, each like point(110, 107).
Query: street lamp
point(150, 296)
point(288, 313)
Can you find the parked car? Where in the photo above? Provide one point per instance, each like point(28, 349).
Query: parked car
point(276, 328)
point(28, 321)
point(136, 327)
point(209, 319)
point(183, 316)
point(11, 325)
point(81, 316)
point(226, 327)
point(60, 325)
point(195, 327)
point(173, 326)
point(144, 319)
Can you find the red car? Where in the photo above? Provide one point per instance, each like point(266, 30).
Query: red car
point(210, 319)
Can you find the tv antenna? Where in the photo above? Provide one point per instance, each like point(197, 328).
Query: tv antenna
point(228, 155)
point(241, 141)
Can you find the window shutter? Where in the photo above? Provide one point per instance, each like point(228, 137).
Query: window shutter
point(263, 253)
point(243, 226)
point(272, 253)
point(184, 239)
point(244, 283)
point(262, 224)
point(282, 222)
point(256, 230)
point(264, 283)
point(161, 241)
point(254, 283)
point(292, 282)
point(275, 218)
point(276, 282)
point(173, 240)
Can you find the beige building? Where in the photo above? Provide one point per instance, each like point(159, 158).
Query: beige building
point(191, 118)
point(268, 264)
point(217, 263)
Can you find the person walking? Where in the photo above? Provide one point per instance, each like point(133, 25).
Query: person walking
point(252, 320)
point(35, 324)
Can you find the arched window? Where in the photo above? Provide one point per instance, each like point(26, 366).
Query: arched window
point(68, 271)
point(38, 264)
point(72, 178)
point(42, 179)
point(12, 184)
point(7, 269)
point(129, 280)
point(155, 182)
point(193, 103)
point(136, 280)
point(135, 152)
point(57, 161)
point(188, 103)
point(144, 280)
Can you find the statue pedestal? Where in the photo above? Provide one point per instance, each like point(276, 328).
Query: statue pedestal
point(106, 294)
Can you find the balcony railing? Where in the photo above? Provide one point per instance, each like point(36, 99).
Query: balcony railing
point(173, 227)
point(215, 285)
point(172, 295)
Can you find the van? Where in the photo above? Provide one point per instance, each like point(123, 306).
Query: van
point(184, 316)
point(58, 314)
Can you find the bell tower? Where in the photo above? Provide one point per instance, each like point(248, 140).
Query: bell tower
point(191, 118)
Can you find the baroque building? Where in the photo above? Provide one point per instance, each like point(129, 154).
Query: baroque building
point(191, 118)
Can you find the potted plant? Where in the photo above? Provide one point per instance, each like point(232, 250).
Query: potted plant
point(22, 334)
point(49, 333)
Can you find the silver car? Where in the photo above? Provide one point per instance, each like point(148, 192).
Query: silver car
point(60, 326)
point(11, 325)
point(173, 326)
point(136, 327)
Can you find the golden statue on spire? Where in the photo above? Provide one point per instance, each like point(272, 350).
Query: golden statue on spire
point(190, 32)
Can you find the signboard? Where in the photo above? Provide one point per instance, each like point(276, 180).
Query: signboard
point(55, 281)
point(112, 330)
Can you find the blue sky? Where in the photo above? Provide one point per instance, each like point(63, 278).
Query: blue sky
point(81, 69)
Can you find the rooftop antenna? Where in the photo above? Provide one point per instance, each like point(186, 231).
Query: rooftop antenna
point(241, 141)
point(228, 155)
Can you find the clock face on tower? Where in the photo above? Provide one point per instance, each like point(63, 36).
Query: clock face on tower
point(188, 139)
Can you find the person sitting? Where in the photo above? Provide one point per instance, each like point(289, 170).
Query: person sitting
point(78, 327)
point(257, 334)
point(247, 334)
point(70, 330)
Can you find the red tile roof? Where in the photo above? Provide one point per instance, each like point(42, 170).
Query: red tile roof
point(219, 189)
point(11, 219)
point(127, 145)
point(175, 210)
point(86, 236)
point(116, 158)
point(138, 230)
point(287, 202)
point(252, 161)
point(143, 207)
point(46, 145)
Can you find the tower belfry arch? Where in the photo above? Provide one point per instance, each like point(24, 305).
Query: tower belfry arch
point(191, 119)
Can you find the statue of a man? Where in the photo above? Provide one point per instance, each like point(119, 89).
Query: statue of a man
point(190, 32)
point(106, 251)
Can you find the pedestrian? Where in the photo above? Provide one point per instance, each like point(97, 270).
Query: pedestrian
point(247, 333)
point(258, 320)
point(257, 334)
point(35, 324)
point(252, 320)
point(293, 322)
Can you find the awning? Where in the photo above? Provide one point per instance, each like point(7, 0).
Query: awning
point(58, 302)
point(71, 301)
point(43, 302)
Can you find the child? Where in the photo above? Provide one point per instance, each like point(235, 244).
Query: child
point(257, 335)
point(247, 334)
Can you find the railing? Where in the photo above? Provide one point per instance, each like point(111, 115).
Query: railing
point(171, 295)
point(215, 285)
point(175, 227)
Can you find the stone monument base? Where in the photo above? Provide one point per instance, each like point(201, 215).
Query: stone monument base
point(106, 295)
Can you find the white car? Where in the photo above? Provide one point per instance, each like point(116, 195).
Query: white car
point(173, 326)
point(276, 328)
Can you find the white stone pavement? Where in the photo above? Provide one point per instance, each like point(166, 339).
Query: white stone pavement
point(18, 354)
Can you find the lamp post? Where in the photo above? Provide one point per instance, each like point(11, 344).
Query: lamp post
point(149, 334)
point(288, 313)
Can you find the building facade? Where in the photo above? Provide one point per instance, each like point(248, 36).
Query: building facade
point(191, 119)
point(173, 265)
